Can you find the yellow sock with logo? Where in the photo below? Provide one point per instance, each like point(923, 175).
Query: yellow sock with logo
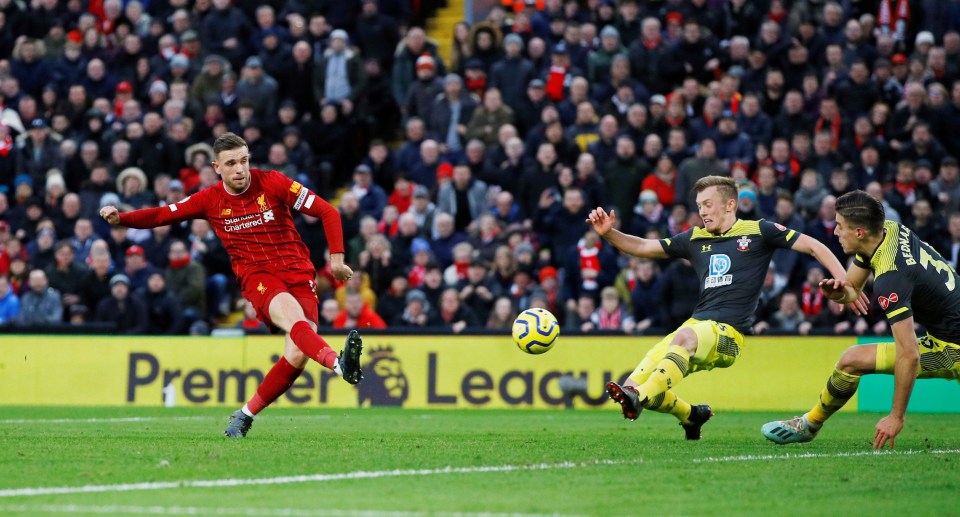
point(643, 370)
point(840, 387)
point(667, 374)
point(667, 402)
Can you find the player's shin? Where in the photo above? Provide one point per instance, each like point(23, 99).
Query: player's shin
point(667, 374)
point(840, 387)
point(667, 402)
point(312, 345)
point(278, 380)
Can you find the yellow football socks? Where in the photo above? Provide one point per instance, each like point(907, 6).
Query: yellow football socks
point(667, 402)
point(840, 387)
point(667, 374)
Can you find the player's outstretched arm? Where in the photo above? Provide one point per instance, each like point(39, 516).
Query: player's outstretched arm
point(191, 207)
point(602, 223)
point(904, 376)
point(843, 290)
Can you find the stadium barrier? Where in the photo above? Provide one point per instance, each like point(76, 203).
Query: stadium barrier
point(774, 373)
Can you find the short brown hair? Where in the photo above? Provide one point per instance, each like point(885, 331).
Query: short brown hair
point(725, 186)
point(227, 142)
point(861, 210)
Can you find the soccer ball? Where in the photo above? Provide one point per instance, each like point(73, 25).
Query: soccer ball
point(535, 331)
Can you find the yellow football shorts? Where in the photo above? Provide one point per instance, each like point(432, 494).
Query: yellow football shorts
point(938, 359)
point(718, 346)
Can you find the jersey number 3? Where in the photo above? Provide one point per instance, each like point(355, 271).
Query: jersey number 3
point(926, 260)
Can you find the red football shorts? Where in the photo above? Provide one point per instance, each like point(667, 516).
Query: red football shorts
point(261, 287)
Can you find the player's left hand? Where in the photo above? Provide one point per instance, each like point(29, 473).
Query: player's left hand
point(341, 272)
point(861, 305)
point(887, 429)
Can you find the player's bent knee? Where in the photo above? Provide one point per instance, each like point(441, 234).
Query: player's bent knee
point(687, 339)
point(858, 360)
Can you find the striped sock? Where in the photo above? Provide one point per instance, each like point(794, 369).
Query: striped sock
point(840, 387)
point(667, 402)
point(667, 374)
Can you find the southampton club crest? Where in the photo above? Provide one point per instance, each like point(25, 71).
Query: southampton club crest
point(743, 243)
point(384, 383)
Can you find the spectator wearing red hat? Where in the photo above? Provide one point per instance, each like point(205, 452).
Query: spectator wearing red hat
point(549, 281)
point(674, 28)
point(137, 268)
point(444, 174)
point(412, 48)
point(423, 90)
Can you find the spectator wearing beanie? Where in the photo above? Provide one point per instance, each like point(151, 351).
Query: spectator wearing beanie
point(512, 74)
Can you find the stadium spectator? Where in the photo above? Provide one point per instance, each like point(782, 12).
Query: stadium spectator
point(453, 314)
point(124, 311)
point(393, 300)
point(416, 313)
point(357, 314)
point(164, 316)
point(378, 263)
point(478, 290)
point(9, 303)
point(464, 199)
point(371, 197)
point(612, 315)
point(187, 280)
point(40, 305)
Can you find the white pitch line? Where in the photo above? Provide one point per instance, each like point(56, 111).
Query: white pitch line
point(254, 512)
point(99, 420)
point(807, 455)
point(211, 483)
point(139, 419)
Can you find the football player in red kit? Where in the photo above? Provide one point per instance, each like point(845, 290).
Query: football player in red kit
point(249, 211)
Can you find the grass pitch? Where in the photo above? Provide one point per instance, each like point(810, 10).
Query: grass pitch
point(156, 461)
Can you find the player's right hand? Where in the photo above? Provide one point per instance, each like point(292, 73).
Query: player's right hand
point(837, 290)
point(341, 272)
point(601, 222)
point(110, 214)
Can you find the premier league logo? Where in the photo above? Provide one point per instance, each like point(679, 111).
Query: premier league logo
point(743, 243)
point(384, 382)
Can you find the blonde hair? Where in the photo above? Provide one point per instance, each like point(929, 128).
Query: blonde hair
point(725, 186)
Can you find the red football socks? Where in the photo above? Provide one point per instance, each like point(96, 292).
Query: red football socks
point(311, 344)
point(277, 381)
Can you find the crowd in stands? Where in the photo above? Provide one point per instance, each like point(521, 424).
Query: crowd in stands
point(464, 186)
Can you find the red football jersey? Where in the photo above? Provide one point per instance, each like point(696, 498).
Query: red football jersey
point(256, 226)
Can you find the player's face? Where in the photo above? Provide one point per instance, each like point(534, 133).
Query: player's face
point(233, 166)
point(847, 235)
point(716, 212)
